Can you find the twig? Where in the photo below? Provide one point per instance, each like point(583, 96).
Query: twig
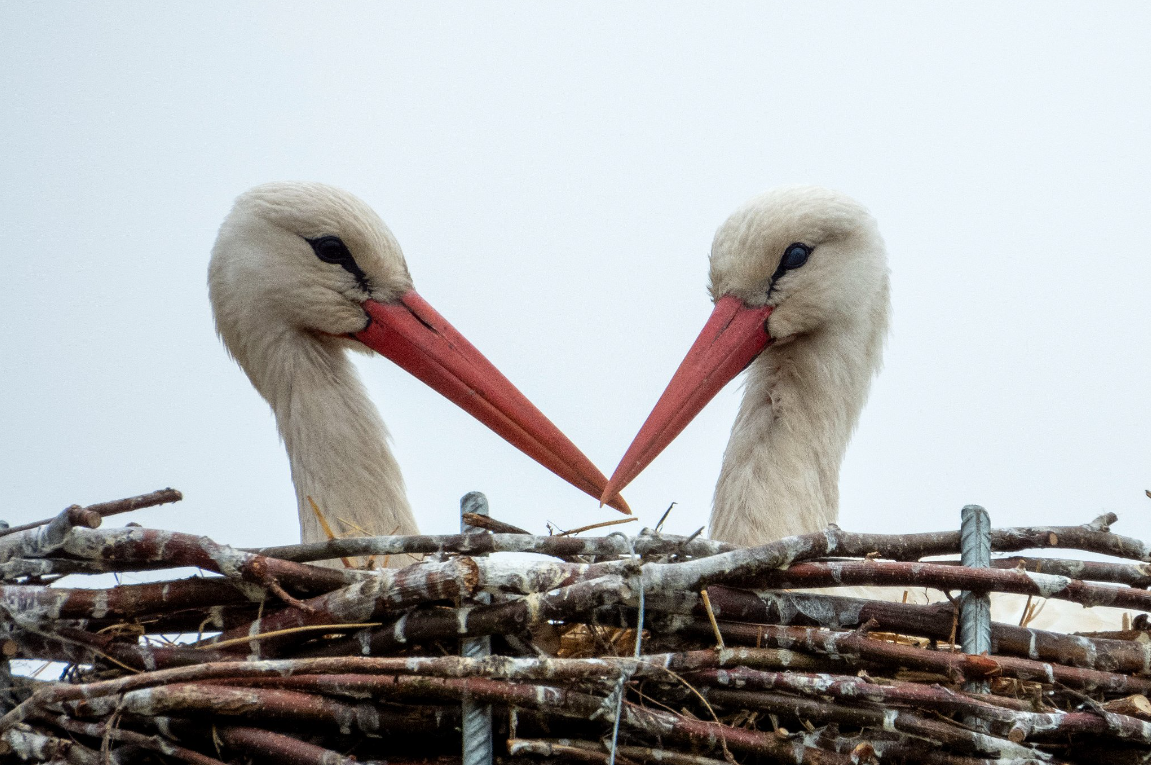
point(958, 666)
point(154, 743)
point(474, 544)
point(366, 601)
point(873, 717)
point(491, 524)
point(287, 631)
point(582, 529)
point(105, 509)
point(949, 577)
point(564, 750)
point(916, 696)
point(711, 617)
point(279, 747)
point(496, 667)
point(327, 528)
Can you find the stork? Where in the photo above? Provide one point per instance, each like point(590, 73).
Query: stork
point(303, 272)
point(801, 272)
point(800, 283)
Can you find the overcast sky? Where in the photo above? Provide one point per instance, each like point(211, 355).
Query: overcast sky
point(555, 173)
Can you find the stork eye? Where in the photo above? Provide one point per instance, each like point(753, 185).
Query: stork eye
point(794, 256)
point(331, 249)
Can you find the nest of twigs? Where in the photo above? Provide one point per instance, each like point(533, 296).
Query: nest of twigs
point(651, 648)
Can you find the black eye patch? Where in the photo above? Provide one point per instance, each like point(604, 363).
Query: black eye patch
point(794, 256)
point(331, 249)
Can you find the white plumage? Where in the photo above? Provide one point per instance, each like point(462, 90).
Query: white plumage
point(805, 391)
point(300, 274)
point(285, 316)
point(811, 339)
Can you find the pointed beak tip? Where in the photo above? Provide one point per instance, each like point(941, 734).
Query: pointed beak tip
point(733, 336)
point(612, 499)
point(419, 340)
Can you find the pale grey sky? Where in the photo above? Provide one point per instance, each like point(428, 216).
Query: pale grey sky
point(554, 174)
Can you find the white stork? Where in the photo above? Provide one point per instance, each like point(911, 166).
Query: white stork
point(301, 273)
point(802, 301)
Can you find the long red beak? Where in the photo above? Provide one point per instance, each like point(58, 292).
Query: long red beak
point(733, 336)
point(414, 335)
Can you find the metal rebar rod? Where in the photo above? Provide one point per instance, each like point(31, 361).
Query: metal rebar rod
point(975, 607)
point(477, 718)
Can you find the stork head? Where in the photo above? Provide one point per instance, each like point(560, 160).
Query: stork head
point(300, 257)
point(790, 263)
point(306, 260)
point(814, 256)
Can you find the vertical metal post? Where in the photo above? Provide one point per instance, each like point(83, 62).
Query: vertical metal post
point(975, 607)
point(8, 699)
point(477, 718)
point(8, 696)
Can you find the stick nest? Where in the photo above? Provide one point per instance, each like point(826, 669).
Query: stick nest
point(653, 648)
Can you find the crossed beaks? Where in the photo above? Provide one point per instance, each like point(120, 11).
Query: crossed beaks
point(417, 338)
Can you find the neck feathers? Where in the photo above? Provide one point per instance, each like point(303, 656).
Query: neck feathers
point(780, 473)
point(335, 439)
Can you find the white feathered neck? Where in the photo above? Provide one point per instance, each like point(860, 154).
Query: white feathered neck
point(282, 314)
point(804, 394)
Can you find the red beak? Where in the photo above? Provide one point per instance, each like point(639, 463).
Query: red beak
point(414, 335)
point(733, 336)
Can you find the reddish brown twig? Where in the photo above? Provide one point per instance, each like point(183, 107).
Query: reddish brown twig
point(567, 750)
point(279, 747)
point(105, 509)
point(101, 731)
point(931, 621)
point(389, 591)
point(1131, 574)
point(126, 601)
point(832, 542)
point(855, 690)
point(956, 665)
point(131, 548)
point(871, 717)
point(949, 577)
point(265, 704)
point(514, 617)
point(513, 539)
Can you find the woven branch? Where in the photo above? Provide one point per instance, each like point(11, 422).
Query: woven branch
point(931, 621)
point(906, 547)
point(808, 677)
point(368, 600)
point(944, 577)
point(914, 696)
